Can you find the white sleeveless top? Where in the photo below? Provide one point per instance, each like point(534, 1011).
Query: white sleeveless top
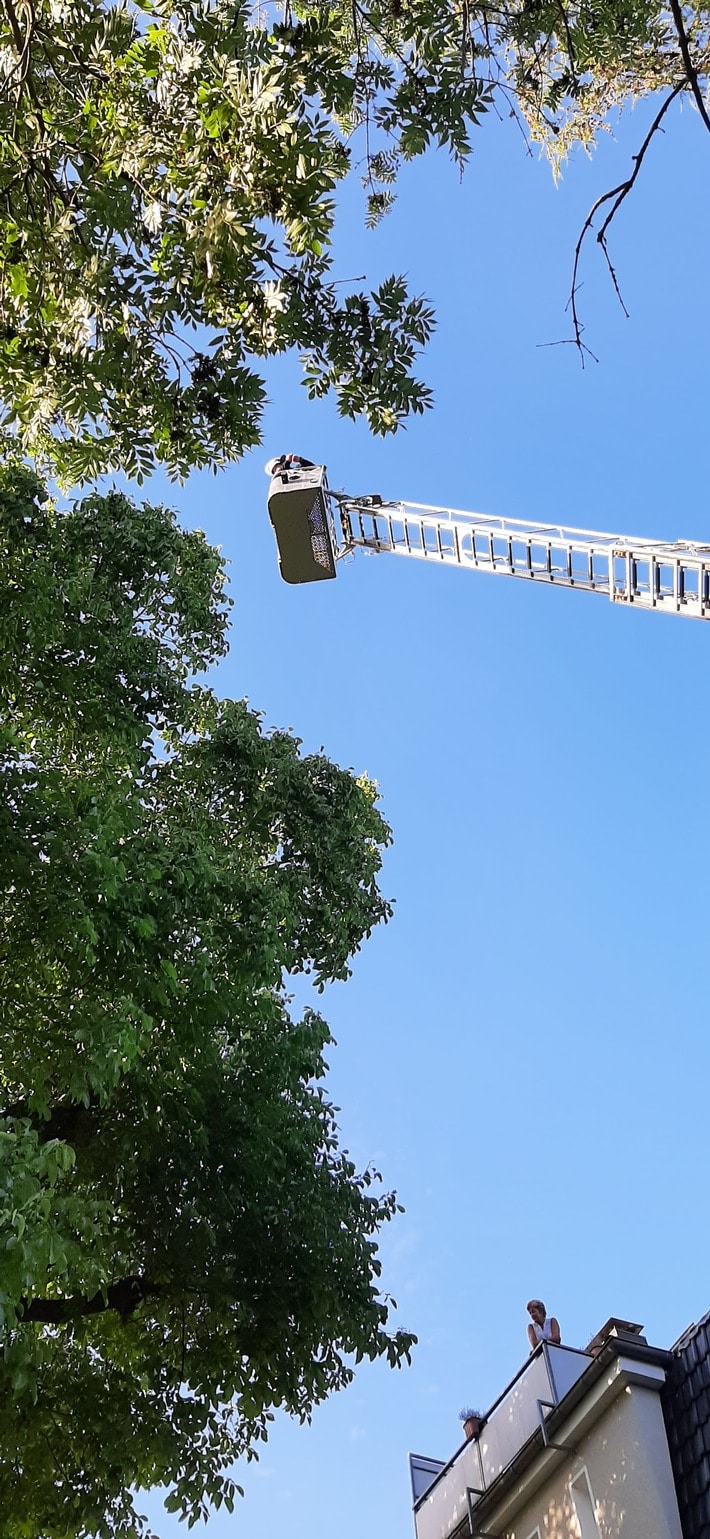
point(542, 1332)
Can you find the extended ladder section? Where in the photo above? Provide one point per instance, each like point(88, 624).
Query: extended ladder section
point(316, 527)
point(673, 578)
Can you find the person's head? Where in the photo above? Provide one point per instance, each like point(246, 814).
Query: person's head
point(537, 1311)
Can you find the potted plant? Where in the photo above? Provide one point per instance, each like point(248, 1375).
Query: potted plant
point(472, 1421)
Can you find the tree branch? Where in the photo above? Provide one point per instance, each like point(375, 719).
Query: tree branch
point(19, 41)
point(71, 1121)
point(690, 69)
point(615, 196)
point(123, 1297)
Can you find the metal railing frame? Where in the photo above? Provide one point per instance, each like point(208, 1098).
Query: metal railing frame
point(474, 1493)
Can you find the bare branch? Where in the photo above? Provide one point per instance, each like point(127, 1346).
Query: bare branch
point(615, 196)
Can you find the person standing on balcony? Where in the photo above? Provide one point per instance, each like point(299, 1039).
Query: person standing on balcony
point(541, 1328)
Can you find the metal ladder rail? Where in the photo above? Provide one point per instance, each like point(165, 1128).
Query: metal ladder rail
point(671, 578)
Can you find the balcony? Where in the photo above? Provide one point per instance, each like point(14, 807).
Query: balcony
point(448, 1500)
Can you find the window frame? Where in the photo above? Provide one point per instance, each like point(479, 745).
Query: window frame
point(586, 1512)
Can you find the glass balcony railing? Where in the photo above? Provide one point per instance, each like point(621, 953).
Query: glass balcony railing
point(519, 1412)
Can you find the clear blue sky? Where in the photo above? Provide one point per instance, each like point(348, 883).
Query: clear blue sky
point(523, 1051)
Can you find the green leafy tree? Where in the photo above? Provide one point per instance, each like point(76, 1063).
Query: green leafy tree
point(167, 191)
point(166, 210)
point(184, 1245)
point(574, 67)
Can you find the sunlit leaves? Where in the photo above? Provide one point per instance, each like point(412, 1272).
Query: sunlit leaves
point(168, 183)
point(160, 174)
point(572, 67)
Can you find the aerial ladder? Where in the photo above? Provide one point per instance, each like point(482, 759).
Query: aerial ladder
point(316, 527)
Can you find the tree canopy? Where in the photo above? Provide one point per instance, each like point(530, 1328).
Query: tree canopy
point(167, 183)
point(166, 208)
point(184, 1244)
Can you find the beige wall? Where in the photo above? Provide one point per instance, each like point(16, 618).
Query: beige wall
point(626, 1457)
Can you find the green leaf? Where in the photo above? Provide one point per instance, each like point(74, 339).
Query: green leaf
point(18, 281)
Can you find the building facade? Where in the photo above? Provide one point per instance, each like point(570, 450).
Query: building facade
point(612, 1442)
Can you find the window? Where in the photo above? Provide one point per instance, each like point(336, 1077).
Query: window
point(584, 1506)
